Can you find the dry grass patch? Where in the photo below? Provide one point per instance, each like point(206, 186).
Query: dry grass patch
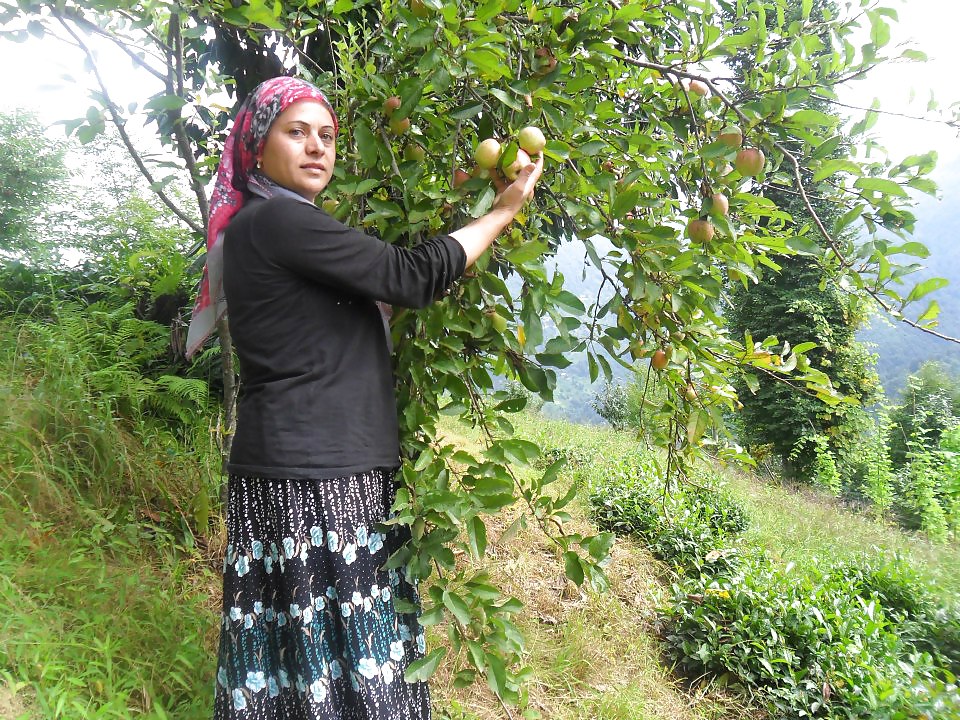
point(591, 655)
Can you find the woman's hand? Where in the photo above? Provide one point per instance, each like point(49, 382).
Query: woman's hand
point(477, 236)
point(512, 197)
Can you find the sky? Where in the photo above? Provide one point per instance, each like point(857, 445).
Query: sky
point(48, 77)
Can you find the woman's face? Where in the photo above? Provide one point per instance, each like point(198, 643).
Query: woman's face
point(300, 150)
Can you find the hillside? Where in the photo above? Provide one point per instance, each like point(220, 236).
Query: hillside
point(110, 601)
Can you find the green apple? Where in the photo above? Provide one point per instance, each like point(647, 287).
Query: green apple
point(532, 140)
point(414, 152)
point(398, 126)
point(731, 136)
point(514, 168)
point(700, 231)
point(721, 206)
point(487, 154)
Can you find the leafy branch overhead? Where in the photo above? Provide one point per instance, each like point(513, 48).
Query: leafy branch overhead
point(659, 164)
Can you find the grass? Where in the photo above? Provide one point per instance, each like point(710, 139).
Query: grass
point(590, 655)
point(804, 526)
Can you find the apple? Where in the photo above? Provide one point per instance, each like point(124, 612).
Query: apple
point(532, 140)
point(414, 152)
point(637, 349)
point(700, 231)
point(330, 205)
point(390, 105)
point(749, 162)
point(514, 168)
point(498, 321)
point(697, 87)
point(690, 393)
point(659, 360)
point(460, 177)
point(398, 126)
point(731, 136)
point(721, 206)
point(487, 154)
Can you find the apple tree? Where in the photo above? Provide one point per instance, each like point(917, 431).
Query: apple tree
point(658, 161)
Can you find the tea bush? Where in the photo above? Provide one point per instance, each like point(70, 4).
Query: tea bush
point(856, 640)
point(807, 644)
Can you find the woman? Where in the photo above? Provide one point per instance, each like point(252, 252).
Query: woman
point(309, 628)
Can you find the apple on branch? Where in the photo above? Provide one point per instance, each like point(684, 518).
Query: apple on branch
point(513, 169)
point(487, 154)
point(390, 105)
point(720, 204)
point(531, 140)
point(731, 136)
point(697, 87)
point(700, 231)
point(749, 162)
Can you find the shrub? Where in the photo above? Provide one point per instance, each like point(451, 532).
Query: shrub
point(807, 643)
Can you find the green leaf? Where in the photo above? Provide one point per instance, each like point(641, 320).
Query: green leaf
point(573, 566)
point(527, 252)
point(457, 607)
point(880, 185)
point(832, 167)
point(366, 144)
point(926, 287)
point(477, 536)
point(591, 148)
point(423, 669)
point(165, 102)
point(625, 202)
point(805, 118)
point(931, 313)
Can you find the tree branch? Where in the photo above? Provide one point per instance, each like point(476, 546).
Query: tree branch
point(798, 179)
point(124, 136)
point(75, 16)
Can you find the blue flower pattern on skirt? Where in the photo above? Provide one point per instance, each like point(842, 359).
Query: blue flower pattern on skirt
point(309, 629)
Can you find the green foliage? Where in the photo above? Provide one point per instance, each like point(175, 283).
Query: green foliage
point(852, 641)
point(100, 619)
point(31, 178)
point(689, 528)
point(823, 468)
point(807, 643)
point(930, 404)
point(106, 467)
point(90, 385)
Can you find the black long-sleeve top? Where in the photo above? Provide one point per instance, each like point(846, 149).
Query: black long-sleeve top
point(317, 393)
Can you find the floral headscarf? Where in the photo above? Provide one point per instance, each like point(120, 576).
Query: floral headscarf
point(236, 180)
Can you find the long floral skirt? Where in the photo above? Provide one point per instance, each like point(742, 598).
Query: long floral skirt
point(309, 630)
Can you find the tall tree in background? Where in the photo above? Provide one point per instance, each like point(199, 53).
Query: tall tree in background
point(32, 178)
point(802, 301)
